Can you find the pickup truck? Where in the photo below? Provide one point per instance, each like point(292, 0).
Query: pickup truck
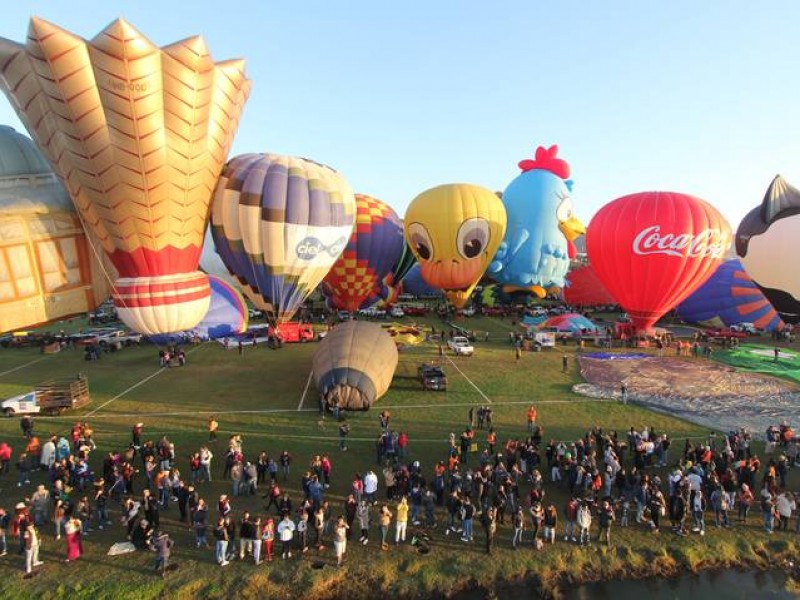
point(117, 339)
point(542, 339)
point(432, 377)
point(461, 346)
point(725, 334)
point(50, 397)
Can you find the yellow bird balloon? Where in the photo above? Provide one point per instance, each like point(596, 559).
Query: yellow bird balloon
point(454, 231)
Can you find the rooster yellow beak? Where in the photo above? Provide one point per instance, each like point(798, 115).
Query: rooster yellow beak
point(572, 228)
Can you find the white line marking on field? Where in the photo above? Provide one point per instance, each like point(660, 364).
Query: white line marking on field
point(267, 411)
point(305, 390)
point(485, 397)
point(134, 386)
point(27, 364)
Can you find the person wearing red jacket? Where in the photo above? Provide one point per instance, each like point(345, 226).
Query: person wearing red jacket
point(402, 444)
point(5, 458)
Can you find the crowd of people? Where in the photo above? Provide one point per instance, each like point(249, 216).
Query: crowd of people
point(528, 489)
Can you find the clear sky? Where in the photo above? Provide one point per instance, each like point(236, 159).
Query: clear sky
point(697, 97)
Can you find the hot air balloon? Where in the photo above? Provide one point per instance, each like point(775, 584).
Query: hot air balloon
point(534, 255)
point(653, 249)
point(454, 231)
point(227, 316)
point(279, 224)
point(354, 365)
point(584, 288)
point(138, 135)
point(47, 271)
point(730, 297)
point(374, 247)
point(767, 237)
point(414, 284)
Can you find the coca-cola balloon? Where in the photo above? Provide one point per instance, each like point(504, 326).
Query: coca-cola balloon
point(653, 249)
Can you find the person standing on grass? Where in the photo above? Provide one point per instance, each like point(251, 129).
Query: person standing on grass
point(213, 425)
point(73, 530)
point(163, 547)
point(698, 513)
point(584, 523)
point(768, 509)
point(344, 431)
point(550, 523)
point(606, 519)
point(489, 523)
point(319, 527)
point(286, 462)
point(302, 532)
point(745, 502)
point(340, 540)
point(785, 504)
point(564, 363)
point(268, 539)
point(401, 523)
point(531, 418)
point(384, 521)
point(362, 513)
point(286, 529)
point(571, 519)
point(31, 544)
point(518, 520)
point(467, 515)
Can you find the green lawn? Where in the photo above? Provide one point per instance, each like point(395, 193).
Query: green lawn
point(258, 396)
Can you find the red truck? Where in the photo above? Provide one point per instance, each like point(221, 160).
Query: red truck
point(295, 332)
point(726, 334)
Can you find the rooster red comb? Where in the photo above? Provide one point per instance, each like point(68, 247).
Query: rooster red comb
point(546, 159)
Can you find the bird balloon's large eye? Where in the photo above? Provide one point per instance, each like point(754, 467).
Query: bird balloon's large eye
point(564, 210)
point(420, 241)
point(473, 237)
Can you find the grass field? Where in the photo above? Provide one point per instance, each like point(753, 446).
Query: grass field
point(260, 396)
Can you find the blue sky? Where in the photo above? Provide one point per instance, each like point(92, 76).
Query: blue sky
point(697, 97)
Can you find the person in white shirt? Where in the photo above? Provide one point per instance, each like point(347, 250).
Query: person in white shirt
point(286, 532)
point(371, 487)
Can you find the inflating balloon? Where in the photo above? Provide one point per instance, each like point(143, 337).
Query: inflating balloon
point(415, 285)
point(584, 288)
point(766, 238)
point(653, 249)
point(454, 231)
point(354, 365)
point(227, 316)
point(138, 134)
point(534, 255)
point(374, 247)
point(729, 297)
point(279, 223)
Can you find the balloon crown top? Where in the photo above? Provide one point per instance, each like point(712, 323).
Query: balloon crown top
point(546, 159)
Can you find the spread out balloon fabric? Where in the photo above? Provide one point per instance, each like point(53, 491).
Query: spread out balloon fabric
point(354, 365)
point(227, 316)
point(653, 249)
point(768, 242)
point(375, 246)
point(729, 297)
point(534, 255)
point(138, 135)
point(279, 224)
point(454, 231)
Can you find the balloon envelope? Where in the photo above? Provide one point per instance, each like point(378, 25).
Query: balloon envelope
point(374, 247)
point(584, 288)
point(766, 239)
point(354, 365)
point(414, 284)
point(138, 135)
point(454, 231)
point(227, 316)
point(730, 296)
point(653, 249)
point(279, 224)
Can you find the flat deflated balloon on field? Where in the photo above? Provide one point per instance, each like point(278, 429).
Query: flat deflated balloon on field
point(653, 249)
point(354, 365)
point(138, 134)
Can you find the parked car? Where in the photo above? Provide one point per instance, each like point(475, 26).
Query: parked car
point(254, 313)
point(119, 338)
point(461, 346)
point(397, 312)
point(748, 328)
point(432, 377)
point(415, 311)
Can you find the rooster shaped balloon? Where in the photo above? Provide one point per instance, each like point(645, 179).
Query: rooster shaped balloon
point(534, 255)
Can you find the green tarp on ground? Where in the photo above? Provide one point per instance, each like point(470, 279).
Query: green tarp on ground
point(761, 358)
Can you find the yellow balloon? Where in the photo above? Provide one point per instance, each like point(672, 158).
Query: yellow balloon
point(454, 231)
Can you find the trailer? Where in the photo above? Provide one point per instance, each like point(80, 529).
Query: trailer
point(57, 395)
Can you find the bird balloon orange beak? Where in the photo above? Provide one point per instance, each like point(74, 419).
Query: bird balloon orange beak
point(453, 274)
point(572, 228)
